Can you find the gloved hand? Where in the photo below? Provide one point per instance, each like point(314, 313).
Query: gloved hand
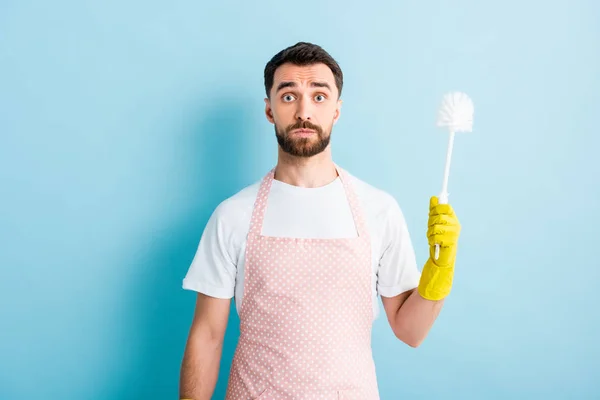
point(443, 229)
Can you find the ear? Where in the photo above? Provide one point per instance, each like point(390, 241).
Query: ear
point(269, 111)
point(338, 111)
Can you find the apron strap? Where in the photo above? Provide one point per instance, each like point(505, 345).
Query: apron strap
point(260, 204)
point(355, 207)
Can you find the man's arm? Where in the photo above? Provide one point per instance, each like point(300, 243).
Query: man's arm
point(411, 316)
point(202, 357)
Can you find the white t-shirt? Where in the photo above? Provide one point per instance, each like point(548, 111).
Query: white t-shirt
point(217, 269)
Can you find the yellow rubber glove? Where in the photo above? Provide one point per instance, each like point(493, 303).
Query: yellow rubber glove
point(443, 229)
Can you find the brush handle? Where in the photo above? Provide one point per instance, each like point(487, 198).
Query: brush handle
point(443, 197)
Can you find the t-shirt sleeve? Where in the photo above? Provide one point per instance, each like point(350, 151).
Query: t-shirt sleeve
point(397, 270)
point(213, 269)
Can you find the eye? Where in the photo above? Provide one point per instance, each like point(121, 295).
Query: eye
point(288, 97)
point(320, 98)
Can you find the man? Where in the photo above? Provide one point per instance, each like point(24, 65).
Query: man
point(305, 252)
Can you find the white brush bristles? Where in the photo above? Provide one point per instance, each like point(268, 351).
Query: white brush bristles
point(456, 113)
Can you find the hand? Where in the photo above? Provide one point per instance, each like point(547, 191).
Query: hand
point(443, 229)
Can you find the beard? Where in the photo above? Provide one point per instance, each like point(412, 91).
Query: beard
point(303, 147)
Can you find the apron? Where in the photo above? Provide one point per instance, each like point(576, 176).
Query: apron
point(306, 315)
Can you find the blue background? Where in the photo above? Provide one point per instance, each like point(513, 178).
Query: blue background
point(123, 124)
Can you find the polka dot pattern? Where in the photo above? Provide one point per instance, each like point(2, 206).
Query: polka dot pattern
point(306, 318)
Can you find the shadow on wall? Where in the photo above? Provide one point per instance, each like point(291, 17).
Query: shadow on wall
point(158, 310)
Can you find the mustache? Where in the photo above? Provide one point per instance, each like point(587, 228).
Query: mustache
point(305, 125)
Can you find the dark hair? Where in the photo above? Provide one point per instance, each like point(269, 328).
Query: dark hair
point(301, 54)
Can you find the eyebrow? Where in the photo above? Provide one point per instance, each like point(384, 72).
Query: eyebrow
point(290, 84)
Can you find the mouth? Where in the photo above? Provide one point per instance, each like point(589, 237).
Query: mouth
point(302, 132)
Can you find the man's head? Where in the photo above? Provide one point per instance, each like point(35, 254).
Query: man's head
point(303, 84)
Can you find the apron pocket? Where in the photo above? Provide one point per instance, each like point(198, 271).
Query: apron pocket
point(264, 395)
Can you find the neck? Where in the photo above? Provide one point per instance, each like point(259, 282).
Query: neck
point(309, 172)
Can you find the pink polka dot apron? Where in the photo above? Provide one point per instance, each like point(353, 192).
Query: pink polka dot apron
point(306, 314)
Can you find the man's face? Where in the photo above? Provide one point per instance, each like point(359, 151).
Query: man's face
point(303, 106)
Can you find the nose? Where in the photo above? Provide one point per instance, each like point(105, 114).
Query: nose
point(304, 112)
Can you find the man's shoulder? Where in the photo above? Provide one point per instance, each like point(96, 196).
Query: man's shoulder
point(370, 195)
point(238, 207)
point(380, 206)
